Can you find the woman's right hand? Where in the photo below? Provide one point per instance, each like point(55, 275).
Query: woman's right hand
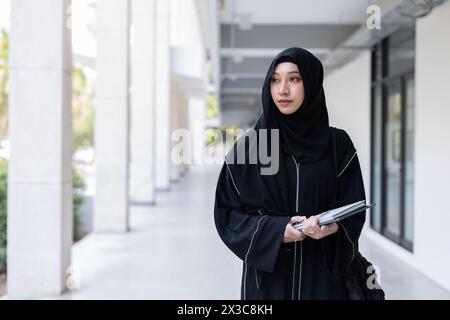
point(292, 235)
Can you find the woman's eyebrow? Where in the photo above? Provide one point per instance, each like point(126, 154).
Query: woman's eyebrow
point(289, 72)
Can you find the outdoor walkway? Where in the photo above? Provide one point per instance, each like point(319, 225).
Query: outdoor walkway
point(174, 252)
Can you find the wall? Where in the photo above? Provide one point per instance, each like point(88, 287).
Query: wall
point(347, 92)
point(432, 152)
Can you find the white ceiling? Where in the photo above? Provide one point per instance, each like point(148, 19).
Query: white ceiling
point(297, 11)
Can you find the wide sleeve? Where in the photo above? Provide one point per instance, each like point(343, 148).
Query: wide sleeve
point(254, 236)
point(342, 247)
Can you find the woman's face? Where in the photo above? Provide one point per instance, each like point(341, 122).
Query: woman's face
point(286, 88)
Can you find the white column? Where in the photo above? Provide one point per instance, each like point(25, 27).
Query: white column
point(111, 116)
point(39, 179)
point(162, 111)
point(142, 142)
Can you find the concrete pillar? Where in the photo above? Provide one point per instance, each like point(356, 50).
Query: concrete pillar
point(162, 111)
point(142, 160)
point(39, 178)
point(112, 116)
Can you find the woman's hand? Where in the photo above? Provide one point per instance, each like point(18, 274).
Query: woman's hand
point(292, 235)
point(312, 229)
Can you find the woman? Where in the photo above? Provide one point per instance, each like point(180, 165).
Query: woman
point(254, 213)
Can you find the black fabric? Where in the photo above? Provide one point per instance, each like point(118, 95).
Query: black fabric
point(303, 133)
point(252, 210)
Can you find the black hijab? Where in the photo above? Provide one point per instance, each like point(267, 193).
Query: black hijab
point(303, 134)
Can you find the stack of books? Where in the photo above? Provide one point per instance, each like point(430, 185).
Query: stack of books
point(337, 214)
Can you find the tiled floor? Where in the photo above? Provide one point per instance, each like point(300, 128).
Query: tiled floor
point(174, 252)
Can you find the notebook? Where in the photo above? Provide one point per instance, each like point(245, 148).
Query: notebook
point(338, 214)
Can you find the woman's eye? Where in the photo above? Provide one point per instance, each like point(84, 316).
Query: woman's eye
point(296, 79)
point(274, 80)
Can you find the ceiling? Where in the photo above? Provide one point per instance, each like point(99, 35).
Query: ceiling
point(252, 32)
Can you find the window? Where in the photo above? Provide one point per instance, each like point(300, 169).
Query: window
point(392, 151)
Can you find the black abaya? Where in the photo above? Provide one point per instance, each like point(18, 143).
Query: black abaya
point(252, 210)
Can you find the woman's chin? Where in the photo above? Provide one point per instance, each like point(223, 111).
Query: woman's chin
point(287, 110)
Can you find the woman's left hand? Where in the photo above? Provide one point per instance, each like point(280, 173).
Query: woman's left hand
point(312, 229)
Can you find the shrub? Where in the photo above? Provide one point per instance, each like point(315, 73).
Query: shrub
point(78, 186)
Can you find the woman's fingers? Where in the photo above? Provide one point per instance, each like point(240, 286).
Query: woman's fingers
point(317, 232)
point(314, 221)
point(295, 234)
point(292, 235)
point(311, 227)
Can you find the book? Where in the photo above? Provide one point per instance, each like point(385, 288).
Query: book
point(338, 214)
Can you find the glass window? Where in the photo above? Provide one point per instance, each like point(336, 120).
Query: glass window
point(392, 150)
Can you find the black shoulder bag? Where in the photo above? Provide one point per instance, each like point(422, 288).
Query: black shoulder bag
point(361, 279)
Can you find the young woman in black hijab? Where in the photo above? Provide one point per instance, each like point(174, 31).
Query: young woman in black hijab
point(254, 212)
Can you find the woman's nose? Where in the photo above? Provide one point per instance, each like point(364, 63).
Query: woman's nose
point(284, 90)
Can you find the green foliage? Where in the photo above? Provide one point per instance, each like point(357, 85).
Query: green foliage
point(221, 134)
point(78, 186)
point(212, 107)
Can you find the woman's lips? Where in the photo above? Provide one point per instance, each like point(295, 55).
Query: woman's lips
point(284, 103)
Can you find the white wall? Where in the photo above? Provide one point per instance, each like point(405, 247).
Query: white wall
point(347, 92)
point(432, 151)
